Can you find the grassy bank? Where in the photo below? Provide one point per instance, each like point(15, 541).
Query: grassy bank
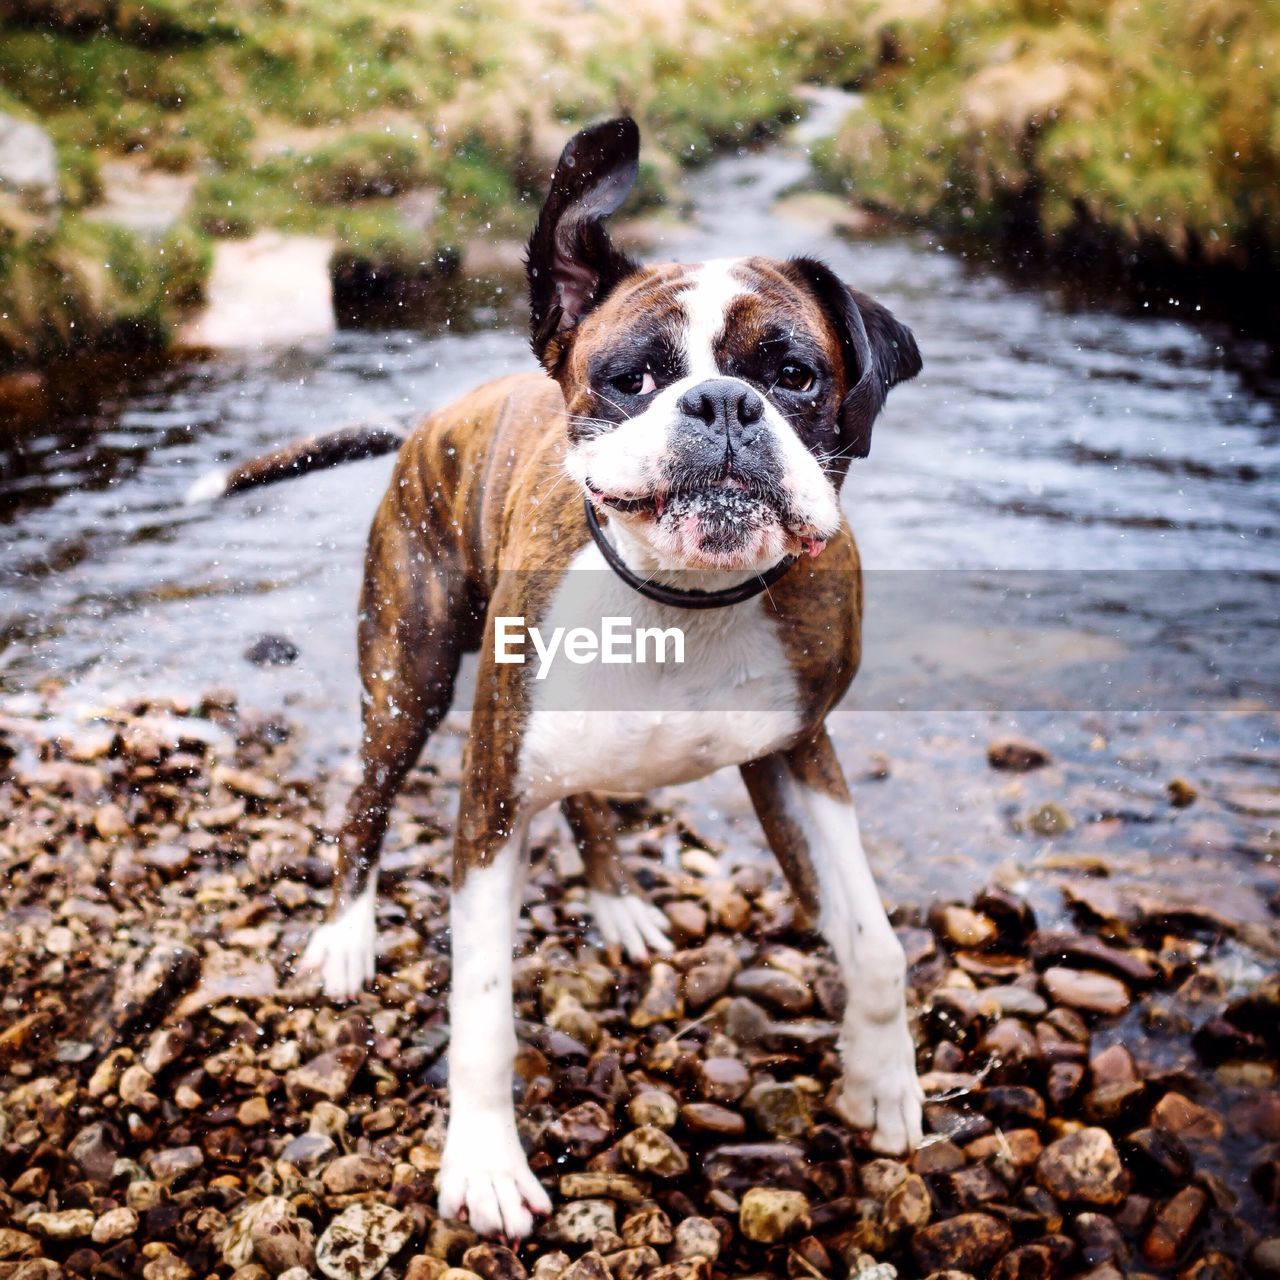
point(400, 131)
point(1116, 132)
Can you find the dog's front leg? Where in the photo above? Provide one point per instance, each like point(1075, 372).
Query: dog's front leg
point(483, 1169)
point(803, 803)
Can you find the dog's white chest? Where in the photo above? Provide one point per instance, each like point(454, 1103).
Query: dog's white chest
point(624, 728)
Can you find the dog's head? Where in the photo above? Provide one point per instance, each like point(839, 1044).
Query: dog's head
point(713, 408)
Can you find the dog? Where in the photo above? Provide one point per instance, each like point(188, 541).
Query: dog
point(686, 439)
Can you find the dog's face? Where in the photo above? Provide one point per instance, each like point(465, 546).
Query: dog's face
point(713, 408)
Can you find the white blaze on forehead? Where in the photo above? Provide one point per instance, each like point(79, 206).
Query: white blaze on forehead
point(706, 303)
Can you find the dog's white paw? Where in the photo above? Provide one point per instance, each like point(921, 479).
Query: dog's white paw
point(880, 1091)
point(626, 920)
point(484, 1171)
point(343, 951)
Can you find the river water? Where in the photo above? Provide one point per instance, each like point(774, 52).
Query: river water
point(1069, 521)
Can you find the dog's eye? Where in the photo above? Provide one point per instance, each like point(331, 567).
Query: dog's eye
point(794, 376)
point(639, 382)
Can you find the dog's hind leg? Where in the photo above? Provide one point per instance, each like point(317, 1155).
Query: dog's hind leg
point(623, 915)
point(414, 619)
point(803, 804)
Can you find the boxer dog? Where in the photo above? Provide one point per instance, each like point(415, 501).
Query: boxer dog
point(686, 440)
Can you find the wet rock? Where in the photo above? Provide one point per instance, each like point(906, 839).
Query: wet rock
point(908, 1206)
point(361, 1240)
point(115, 1224)
point(632, 1263)
point(16, 1244)
point(308, 1151)
point(282, 1240)
point(1089, 991)
point(654, 1107)
point(688, 921)
point(1174, 1226)
point(651, 1151)
point(329, 1076)
point(710, 1117)
point(1158, 1159)
point(723, 1079)
point(770, 1214)
point(963, 927)
point(780, 991)
point(737, 1166)
point(1177, 1114)
point(66, 1224)
point(1077, 950)
point(175, 1164)
point(583, 1222)
point(582, 1129)
point(351, 1175)
point(1264, 1259)
point(95, 1150)
point(624, 1188)
point(697, 1238)
point(708, 973)
point(146, 987)
point(1016, 755)
point(493, 1262)
point(647, 1226)
point(1083, 1167)
point(272, 651)
point(662, 1001)
point(781, 1110)
point(28, 165)
point(1049, 820)
point(591, 1266)
point(968, 1242)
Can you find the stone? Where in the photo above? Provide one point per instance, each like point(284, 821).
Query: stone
point(697, 1238)
point(723, 1079)
point(590, 1266)
point(361, 1240)
point(493, 1262)
point(708, 973)
point(654, 1107)
point(95, 1150)
point(423, 1267)
point(1083, 1168)
point(622, 1187)
point(781, 1110)
point(17, 1244)
point(64, 1224)
point(1176, 1113)
point(688, 921)
point(736, 1166)
point(1087, 990)
point(1016, 755)
point(710, 1117)
point(649, 1150)
point(308, 1151)
point(355, 1174)
point(582, 1129)
point(633, 1262)
point(769, 1214)
point(647, 1226)
point(281, 1239)
point(115, 1224)
point(175, 1163)
point(1158, 1159)
point(781, 991)
point(1264, 1259)
point(908, 1206)
point(968, 1242)
point(1174, 1226)
point(963, 927)
point(583, 1222)
point(272, 651)
point(329, 1076)
point(662, 1001)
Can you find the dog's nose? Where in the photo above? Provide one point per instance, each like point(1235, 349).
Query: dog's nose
point(724, 404)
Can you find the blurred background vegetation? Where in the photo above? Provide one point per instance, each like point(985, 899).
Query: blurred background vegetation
point(1111, 131)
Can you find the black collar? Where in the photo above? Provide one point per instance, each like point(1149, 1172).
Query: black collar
point(747, 590)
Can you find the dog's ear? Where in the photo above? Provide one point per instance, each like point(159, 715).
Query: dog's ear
point(571, 263)
point(879, 351)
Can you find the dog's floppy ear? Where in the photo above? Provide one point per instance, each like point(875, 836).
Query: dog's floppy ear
point(571, 263)
point(880, 351)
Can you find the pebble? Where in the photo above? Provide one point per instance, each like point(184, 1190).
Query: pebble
point(770, 1214)
point(329, 1075)
point(968, 1242)
point(697, 1238)
point(781, 1110)
point(115, 1224)
point(308, 1151)
point(1174, 1226)
point(654, 1107)
point(351, 1175)
point(1086, 990)
point(648, 1150)
point(361, 1240)
point(583, 1222)
point(64, 1224)
point(710, 1117)
point(1017, 755)
point(662, 1001)
point(176, 1163)
point(781, 991)
point(723, 1079)
point(1083, 1168)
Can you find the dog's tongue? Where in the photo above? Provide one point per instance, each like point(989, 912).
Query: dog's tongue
point(813, 546)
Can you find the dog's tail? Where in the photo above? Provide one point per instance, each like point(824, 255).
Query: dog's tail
point(315, 453)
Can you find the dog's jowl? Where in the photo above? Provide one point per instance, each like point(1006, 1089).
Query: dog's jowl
point(676, 462)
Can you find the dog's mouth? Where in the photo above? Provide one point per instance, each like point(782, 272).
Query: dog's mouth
point(720, 515)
